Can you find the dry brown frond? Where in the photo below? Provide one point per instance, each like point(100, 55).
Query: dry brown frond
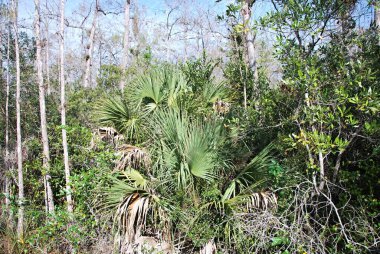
point(106, 134)
point(262, 200)
point(131, 216)
point(221, 107)
point(208, 248)
point(131, 156)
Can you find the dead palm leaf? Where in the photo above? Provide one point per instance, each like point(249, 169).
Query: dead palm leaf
point(106, 134)
point(131, 157)
point(262, 200)
point(129, 198)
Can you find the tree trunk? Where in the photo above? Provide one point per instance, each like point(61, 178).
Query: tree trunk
point(47, 55)
point(1, 50)
point(20, 221)
point(124, 60)
point(63, 109)
point(377, 14)
point(44, 136)
point(1, 78)
point(377, 19)
point(90, 47)
point(250, 40)
point(7, 180)
point(4, 172)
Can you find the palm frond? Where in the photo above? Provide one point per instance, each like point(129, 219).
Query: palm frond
point(131, 157)
point(187, 147)
point(159, 88)
point(130, 205)
point(248, 202)
point(251, 174)
point(129, 199)
point(213, 92)
point(201, 158)
point(221, 107)
point(114, 112)
point(149, 89)
point(136, 178)
point(106, 134)
point(208, 248)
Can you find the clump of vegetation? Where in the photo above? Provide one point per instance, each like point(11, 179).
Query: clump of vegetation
point(257, 151)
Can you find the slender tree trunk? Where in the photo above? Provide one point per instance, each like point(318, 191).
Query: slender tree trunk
point(90, 47)
point(250, 41)
point(377, 19)
point(7, 180)
point(377, 13)
point(1, 50)
point(44, 135)
point(124, 59)
point(47, 55)
point(63, 109)
point(20, 221)
point(4, 170)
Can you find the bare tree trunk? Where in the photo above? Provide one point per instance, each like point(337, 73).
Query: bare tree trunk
point(250, 40)
point(7, 180)
point(63, 110)
point(20, 221)
point(47, 55)
point(8, 211)
point(90, 47)
point(377, 14)
point(377, 19)
point(4, 170)
point(1, 50)
point(47, 68)
point(45, 140)
point(124, 60)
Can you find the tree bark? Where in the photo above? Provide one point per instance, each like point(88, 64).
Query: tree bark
point(250, 40)
point(47, 55)
point(377, 19)
point(5, 169)
point(44, 136)
point(90, 47)
point(321, 171)
point(1, 50)
point(377, 14)
point(3, 172)
point(7, 179)
point(124, 59)
point(20, 221)
point(63, 109)
point(249, 35)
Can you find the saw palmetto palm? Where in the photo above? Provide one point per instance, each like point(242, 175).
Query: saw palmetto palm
point(187, 147)
point(116, 112)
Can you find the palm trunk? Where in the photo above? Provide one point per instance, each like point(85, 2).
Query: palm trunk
point(124, 60)
point(20, 221)
point(44, 136)
point(63, 110)
point(90, 47)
